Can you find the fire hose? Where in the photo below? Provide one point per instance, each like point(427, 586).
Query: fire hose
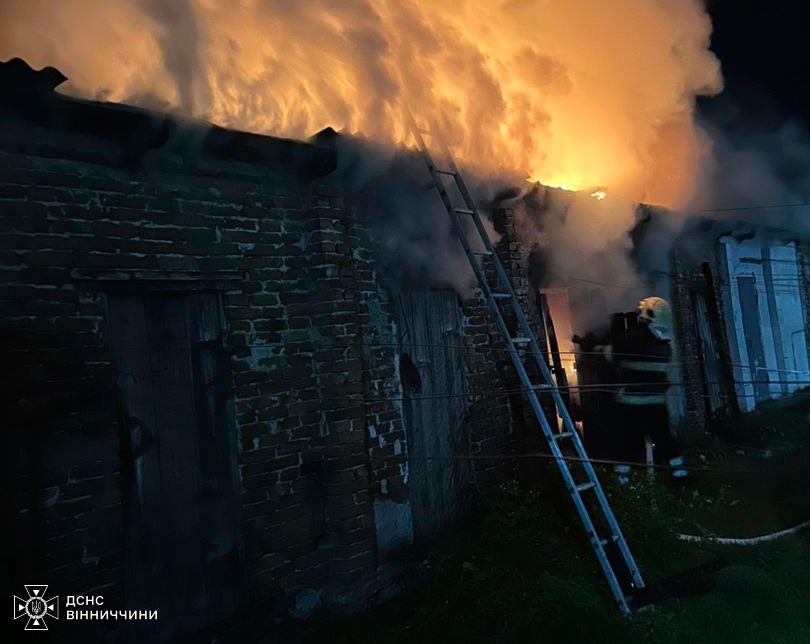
point(744, 542)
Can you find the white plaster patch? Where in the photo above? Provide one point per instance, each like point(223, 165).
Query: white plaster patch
point(372, 431)
point(382, 440)
point(393, 524)
point(258, 355)
point(397, 447)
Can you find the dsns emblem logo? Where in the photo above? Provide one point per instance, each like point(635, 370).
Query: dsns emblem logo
point(36, 608)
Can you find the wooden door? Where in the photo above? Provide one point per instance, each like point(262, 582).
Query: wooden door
point(182, 504)
point(434, 407)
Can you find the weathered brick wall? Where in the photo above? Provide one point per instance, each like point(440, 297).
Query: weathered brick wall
point(309, 412)
point(502, 421)
point(364, 444)
point(527, 434)
point(61, 389)
point(489, 414)
point(302, 376)
point(311, 336)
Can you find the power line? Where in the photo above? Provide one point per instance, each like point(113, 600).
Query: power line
point(628, 287)
point(552, 457)
point(798, 204)
point(406, 345)
point(597, 387)
point(780, 279)
point(501, 349)
point(594, 353)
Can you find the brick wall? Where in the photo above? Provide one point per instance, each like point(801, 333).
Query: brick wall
point(502, 421)
point(317, 420)
point(300, 373)
point(104, 205)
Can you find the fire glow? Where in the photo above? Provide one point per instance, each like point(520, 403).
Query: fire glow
point(574, 93)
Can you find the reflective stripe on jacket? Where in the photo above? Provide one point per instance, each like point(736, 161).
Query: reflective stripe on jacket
point(643, 363)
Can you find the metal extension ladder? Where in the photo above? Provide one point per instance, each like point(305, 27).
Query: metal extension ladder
point(503, 295)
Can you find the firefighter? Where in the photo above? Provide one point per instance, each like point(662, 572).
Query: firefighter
point(642, 357)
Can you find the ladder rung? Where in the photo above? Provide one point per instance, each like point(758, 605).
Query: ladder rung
point(585, 486)
point(540, 387)
point(561, 435)
point(613, 538)
point(464, 211)
point(521, 340)
point(501, 296)
point(481, 252)
point(449, 172)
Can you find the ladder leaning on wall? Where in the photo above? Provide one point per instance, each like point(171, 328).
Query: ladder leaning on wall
point(585, 492)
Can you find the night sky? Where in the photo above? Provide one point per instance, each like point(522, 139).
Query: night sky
point(764, 48)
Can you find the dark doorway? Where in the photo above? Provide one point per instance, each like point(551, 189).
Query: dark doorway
point(711, 367)
point(752, 327)
point(178, 474)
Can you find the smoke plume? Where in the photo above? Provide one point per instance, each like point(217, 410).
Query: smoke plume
point(758, 176)
point(405, 216)
point(574, 93)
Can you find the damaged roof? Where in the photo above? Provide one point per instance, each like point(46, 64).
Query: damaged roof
point(29, 97)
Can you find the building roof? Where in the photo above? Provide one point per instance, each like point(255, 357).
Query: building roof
point(29, 97)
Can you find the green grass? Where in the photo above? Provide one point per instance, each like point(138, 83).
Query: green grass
point(519, 569)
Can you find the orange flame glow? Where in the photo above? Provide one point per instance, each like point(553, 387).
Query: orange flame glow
point(575, 93)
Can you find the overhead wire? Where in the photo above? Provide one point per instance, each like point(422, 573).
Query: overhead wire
point(594, 353)
point(776, 280)
point(598, 387)
point(552, 457)
point(798, 204)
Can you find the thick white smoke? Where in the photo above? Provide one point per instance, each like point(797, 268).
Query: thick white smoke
point(576, 93)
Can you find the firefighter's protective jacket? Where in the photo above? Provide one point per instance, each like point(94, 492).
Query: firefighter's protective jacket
point(643, 365)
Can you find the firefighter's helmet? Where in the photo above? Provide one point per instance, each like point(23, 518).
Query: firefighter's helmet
point(656, 313)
